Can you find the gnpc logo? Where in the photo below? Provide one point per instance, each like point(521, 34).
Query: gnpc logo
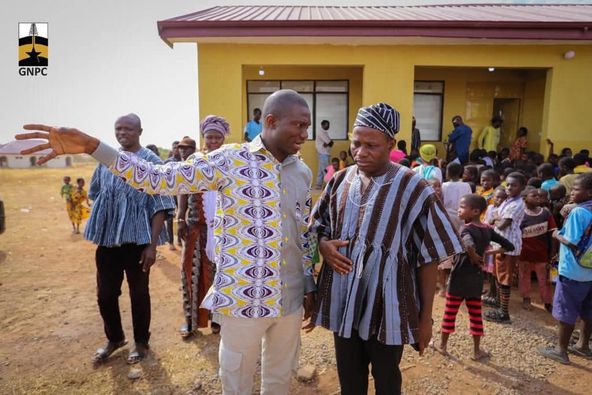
point(33, 49)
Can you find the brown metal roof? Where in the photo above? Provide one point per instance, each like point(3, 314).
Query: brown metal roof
point(494, 21)
point(481, 13)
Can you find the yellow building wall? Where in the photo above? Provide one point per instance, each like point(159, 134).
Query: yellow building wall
point(389, 72)
point(533, 111)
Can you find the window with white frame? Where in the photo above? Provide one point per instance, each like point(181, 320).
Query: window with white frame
point(327, 100)
point(428, 103)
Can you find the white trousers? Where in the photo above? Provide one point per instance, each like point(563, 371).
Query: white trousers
point(277, 340)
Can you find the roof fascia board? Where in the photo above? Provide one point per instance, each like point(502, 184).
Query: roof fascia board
point(482, 30)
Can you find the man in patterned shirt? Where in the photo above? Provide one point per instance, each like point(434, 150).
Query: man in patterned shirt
point(264, 269)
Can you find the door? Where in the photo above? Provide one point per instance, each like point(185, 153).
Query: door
point(509, 111)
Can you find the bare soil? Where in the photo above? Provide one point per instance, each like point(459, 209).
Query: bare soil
point(50, 325)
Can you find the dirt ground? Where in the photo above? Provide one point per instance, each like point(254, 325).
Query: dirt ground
point(50, 325)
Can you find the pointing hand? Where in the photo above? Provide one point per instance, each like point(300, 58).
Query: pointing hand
point(59, 140)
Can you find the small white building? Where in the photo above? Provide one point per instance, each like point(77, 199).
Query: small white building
point(11, 157)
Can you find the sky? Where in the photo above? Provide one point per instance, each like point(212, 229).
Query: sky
point(106, 59)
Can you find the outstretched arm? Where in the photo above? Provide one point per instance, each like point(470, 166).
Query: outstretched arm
point(172, 178)
point(60, 140)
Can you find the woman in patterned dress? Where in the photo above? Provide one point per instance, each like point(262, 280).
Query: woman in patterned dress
point(197, 272)
point(519, 145)
point(78, 211)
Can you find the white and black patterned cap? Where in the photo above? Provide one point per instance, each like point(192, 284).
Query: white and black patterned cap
point(381, 117)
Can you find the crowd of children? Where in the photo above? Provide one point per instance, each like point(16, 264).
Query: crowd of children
point(508, 212)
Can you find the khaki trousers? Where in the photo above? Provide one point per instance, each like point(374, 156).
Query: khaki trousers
point(276, 340)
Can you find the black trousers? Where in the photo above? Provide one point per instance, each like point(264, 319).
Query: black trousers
point(112, 263)
point(353, 357)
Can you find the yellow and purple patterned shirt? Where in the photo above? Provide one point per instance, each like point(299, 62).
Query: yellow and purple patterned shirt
point(263, 255)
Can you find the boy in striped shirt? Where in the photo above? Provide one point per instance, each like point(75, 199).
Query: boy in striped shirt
point(510, 214)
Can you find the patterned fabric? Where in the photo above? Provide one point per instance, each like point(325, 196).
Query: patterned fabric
point(536, 235)
point(488, 196)
point(78, 211)
point(120, 214)
point(381, 117)
point(197, 273)
point(214, 122)
point(517, 147)
point(65, 191)
point(263, 260)
point(512, 208)
point(197, 265)
point(395, 226)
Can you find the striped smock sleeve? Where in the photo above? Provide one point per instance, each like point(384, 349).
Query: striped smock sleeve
point(434, 236)
point(320, 218)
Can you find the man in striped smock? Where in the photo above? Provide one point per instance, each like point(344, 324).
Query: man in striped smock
point(382, 231)
point(126, 225)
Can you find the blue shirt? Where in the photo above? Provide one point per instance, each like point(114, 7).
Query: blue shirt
point(120, 214)
point(461, 137)
point(573, 229)
point(252, 130)
point(547, 184)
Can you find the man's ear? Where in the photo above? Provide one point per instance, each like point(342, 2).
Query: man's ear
point(270, 121)
point(141, 130)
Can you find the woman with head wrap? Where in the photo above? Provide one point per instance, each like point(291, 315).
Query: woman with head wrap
point(377, 282)
point(196, 220)
point(427, 169)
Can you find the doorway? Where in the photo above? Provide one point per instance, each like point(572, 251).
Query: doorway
point(509, 111)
